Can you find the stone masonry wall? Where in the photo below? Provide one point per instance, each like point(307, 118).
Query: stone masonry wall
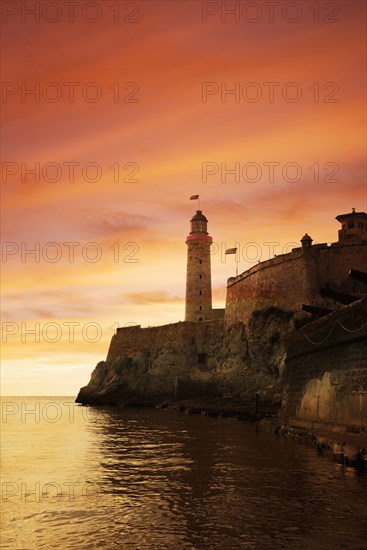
point(326, 369)
point(198, 279)
point(202, 361)
point(290, 280)
point(135, 341)
point(280, 282)
point(334, 262)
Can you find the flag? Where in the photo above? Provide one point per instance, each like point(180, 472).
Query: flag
point(231, 250)
point(194, 197)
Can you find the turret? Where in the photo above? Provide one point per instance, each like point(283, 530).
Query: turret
point(306, 241)
point(354, 226)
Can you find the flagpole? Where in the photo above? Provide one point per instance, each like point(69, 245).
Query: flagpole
point(196, 197)
point(233, 251)
point(237, 257)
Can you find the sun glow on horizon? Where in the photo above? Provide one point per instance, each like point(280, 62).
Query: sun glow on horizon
point(96, 194)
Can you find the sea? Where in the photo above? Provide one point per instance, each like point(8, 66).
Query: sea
point(76, 477)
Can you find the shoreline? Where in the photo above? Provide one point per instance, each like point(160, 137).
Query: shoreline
point(343, 447)
point(339, 445)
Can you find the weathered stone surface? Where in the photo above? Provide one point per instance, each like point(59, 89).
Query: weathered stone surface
point(326, 370)
point(290, 280)
point(195, 361)
point(259, 350)
point(319, 372)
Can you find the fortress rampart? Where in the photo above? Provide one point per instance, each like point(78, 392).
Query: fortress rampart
point(326, 370)
point(290, 280)
point(192, 338)
point(257, 348)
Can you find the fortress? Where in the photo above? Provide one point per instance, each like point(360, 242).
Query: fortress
point(285, 282)
point(249, 347)
point(293, 279)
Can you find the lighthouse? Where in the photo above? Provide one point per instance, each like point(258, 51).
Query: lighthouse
point(198, 276)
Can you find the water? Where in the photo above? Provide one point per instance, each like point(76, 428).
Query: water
point(83, 478)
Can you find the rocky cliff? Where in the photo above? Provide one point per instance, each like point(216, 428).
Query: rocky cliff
point(207, 364)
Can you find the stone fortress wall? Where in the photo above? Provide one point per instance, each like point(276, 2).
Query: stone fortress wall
point(325, 373)
point(293, 279)
point(134, 340)
point(284, 282)
point(323, 365)
point(326, 370)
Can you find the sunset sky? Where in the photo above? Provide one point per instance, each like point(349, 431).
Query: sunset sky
point(147, 94)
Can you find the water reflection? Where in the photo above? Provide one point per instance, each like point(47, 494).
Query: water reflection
point(213, 482)
point(157, 479)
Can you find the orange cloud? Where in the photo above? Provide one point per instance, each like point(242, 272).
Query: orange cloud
point(168, 134)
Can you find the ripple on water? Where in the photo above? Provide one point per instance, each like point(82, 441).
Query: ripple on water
point(147, 479)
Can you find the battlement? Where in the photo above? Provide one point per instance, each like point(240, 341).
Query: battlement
point(267, 264)
point(288, 257)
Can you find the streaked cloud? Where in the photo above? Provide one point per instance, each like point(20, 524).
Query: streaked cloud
point(140, 227)
point(154, 297)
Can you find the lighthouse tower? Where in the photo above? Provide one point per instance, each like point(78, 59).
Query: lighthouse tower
point(198, 277)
